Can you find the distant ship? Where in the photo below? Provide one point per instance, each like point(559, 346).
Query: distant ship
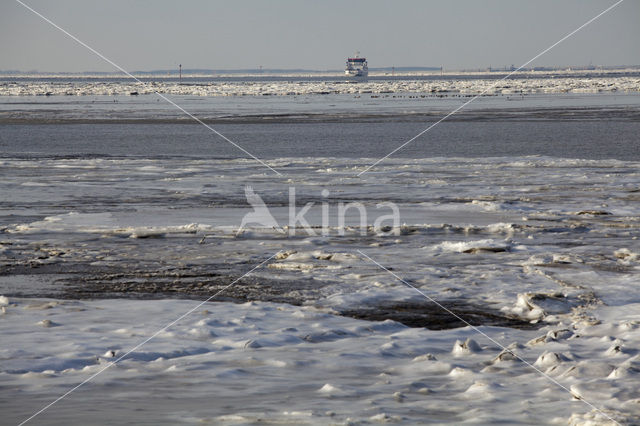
point(357, 67)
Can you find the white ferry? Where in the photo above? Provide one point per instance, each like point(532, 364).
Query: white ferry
point(357, 67)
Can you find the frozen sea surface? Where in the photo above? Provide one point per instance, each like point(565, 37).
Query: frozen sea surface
point(522, 220)
point(524, 247)
point(518, 84)
point(279, 364)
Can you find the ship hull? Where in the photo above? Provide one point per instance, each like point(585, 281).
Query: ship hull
point(358, 75)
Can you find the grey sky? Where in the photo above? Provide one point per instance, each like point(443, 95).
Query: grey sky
point(456, 34)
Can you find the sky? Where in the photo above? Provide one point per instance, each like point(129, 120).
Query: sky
point(304, 34)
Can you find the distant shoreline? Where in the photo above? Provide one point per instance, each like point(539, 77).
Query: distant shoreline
point(373, 72)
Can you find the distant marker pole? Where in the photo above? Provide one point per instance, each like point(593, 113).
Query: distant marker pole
point(180, 71)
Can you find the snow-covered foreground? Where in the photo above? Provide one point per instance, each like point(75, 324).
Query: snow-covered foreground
point(517, 85)
point(269, 363)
